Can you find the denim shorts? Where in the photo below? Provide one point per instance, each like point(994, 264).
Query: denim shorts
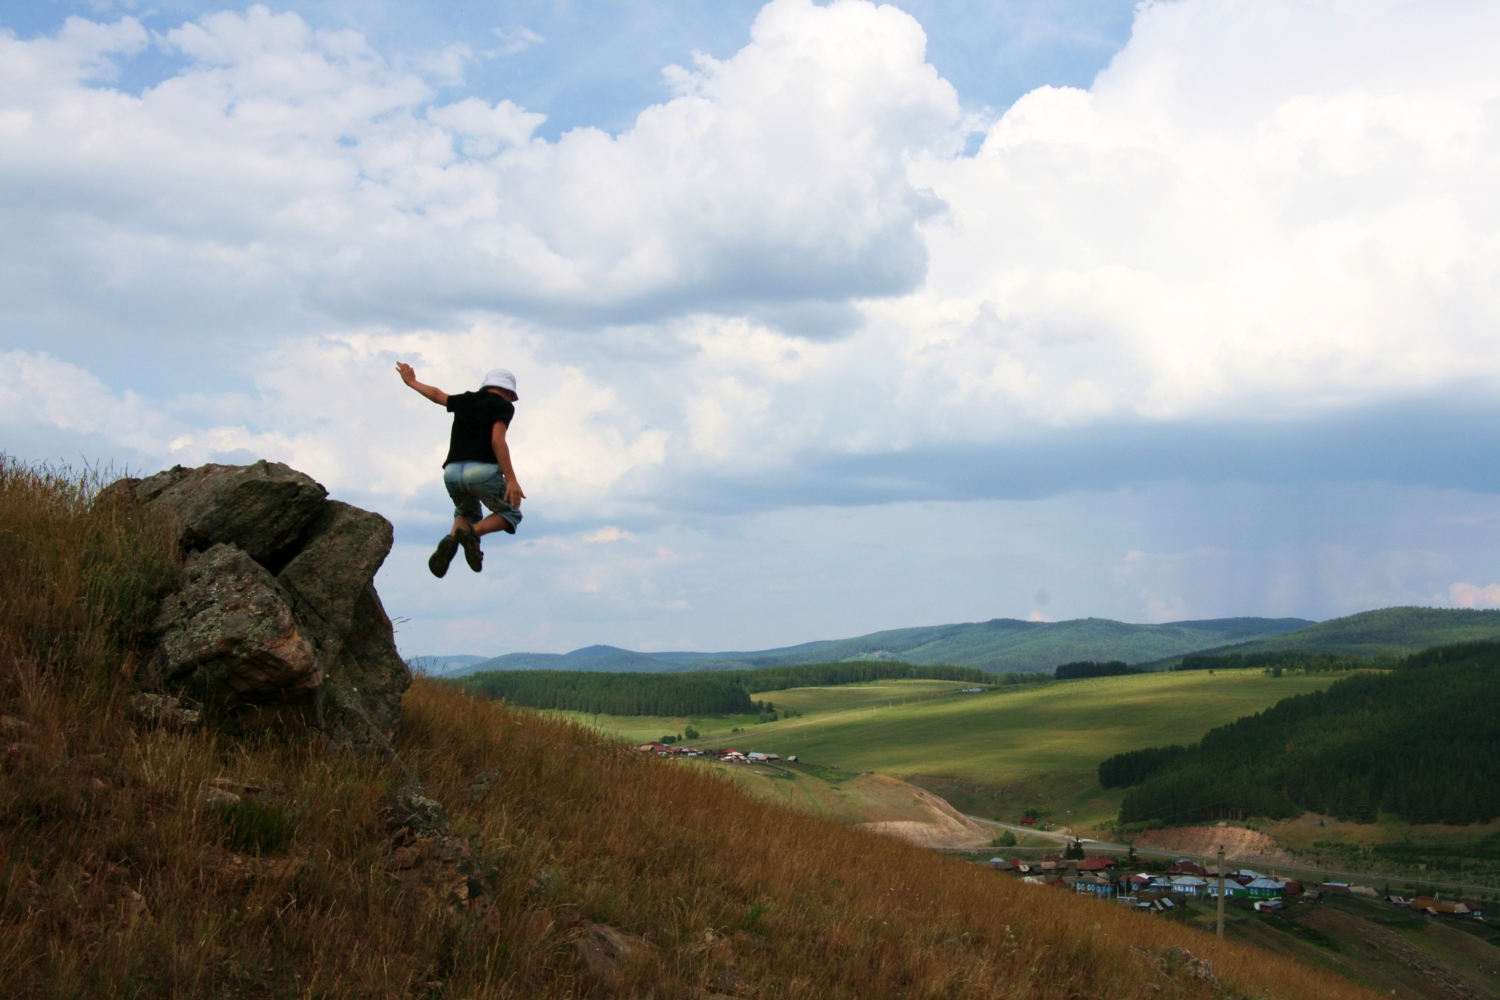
point(473, 483)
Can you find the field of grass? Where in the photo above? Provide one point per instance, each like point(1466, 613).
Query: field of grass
point(719, 730)
point(998, 753)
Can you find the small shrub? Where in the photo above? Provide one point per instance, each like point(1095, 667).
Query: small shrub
point(253, 827)
point(753, 915)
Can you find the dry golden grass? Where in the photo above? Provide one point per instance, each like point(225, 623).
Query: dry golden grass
point(116, 882)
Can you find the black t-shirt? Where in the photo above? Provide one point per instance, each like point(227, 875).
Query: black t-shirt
point(474, 416)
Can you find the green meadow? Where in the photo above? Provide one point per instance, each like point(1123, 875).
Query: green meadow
point(996, 754)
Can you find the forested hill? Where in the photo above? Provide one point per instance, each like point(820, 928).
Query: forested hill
point(997, 646)
point(719, 692)
point(1421, 741)
point(1386, 632)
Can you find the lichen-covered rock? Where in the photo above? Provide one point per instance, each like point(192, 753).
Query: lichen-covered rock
point(229, 638)
point(409, 815)
point(429, 858)
point(276, 615)
point(263, 508)
point(158, 710)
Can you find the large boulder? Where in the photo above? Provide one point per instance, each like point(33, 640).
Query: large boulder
point(263, 508)
point(276, 616)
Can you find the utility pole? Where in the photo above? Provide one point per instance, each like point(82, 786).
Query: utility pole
point(1221, 890)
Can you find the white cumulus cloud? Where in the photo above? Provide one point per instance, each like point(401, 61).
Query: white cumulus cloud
point(1469, 595)
point(1268, 213)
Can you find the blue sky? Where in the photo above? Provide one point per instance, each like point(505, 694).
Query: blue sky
point(827, 318)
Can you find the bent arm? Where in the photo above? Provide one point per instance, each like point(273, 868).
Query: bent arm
point(513, 493)
point(432, 392)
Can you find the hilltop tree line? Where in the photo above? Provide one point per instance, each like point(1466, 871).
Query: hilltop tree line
point(1421, 742)
point(854, 672)
point(1089, 668)
point(716, 692)
point(615, 694)
point(1288, 662)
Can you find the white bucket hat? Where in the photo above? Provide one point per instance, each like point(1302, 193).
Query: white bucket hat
point(500, 379)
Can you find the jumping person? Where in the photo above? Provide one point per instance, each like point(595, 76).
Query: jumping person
point(477, 469)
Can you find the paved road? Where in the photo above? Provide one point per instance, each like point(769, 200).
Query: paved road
point(1319, 874)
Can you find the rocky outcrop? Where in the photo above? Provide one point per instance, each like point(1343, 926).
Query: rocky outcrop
point(228, 637)
point(429, 858)
point(276, 618)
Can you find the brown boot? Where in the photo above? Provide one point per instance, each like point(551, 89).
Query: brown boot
point(472, 554)
point(439, 560)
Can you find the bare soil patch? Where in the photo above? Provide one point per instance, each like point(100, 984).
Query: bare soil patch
point(1240, 844)
point(906, 812)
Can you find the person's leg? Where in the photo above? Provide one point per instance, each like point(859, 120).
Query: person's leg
point(491, 491)
point(493, 523)
point(466, 511)
point(476, 486)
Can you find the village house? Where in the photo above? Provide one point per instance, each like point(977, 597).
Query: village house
point(1232, 889)
point(1097, 885)
point(1264, 888)
point(1188, 885)
point(1434, 907)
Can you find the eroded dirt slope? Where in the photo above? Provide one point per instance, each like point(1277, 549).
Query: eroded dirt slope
point(1240, 844)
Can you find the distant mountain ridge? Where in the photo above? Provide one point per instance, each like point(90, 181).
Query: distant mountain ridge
point(998, 646)
point(440, 666)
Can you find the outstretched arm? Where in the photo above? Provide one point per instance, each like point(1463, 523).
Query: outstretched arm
point(513, 494)
point(432, 392)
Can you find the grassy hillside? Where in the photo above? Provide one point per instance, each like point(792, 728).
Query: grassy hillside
point(725, 730)
point(873, 801)
point(1001, 645)
point(1386, 632)
point(118, 879)
point(999, 753)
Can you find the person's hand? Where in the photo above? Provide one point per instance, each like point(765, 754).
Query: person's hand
point(408, 374)
point(513, 494)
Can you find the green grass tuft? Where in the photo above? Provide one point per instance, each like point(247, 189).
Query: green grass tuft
point(253, 827)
